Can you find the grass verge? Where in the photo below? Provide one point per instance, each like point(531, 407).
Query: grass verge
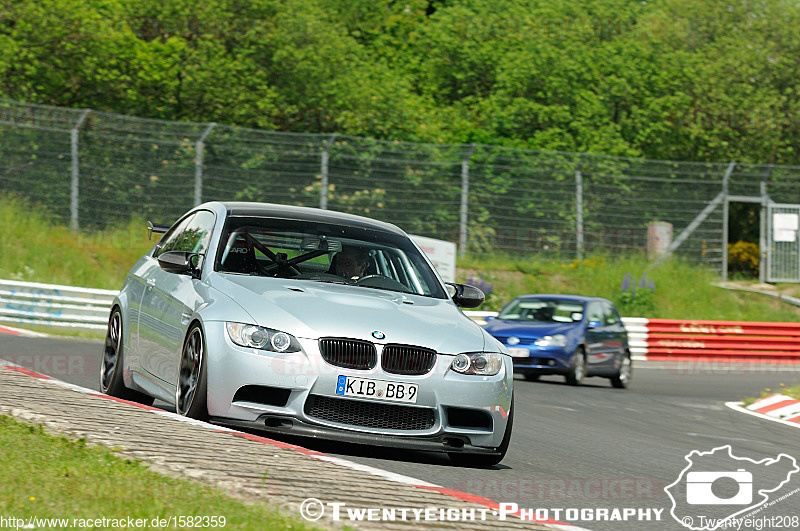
point(782, 389)
point(682, 291)
point(52, 477)
point(36, 250)
point(77, 333)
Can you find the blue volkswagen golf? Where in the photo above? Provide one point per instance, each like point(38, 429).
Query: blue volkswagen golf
point(569, 335)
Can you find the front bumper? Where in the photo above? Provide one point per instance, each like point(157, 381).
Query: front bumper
point(306, 374)
point(554, 359)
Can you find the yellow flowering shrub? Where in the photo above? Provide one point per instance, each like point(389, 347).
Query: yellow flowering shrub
point(743, 257)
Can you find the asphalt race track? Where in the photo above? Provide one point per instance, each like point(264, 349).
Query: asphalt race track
point(587, 447)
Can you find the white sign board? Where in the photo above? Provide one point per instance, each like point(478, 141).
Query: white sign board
point(784, 227)
point(441, 253)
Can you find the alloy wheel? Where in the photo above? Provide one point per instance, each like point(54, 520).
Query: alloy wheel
point(189, 372)
point(111, 351)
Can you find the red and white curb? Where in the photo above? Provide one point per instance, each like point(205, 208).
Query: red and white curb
point(391, 476)
point(777, 408)
point(20, 332)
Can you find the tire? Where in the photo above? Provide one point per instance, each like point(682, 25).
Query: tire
point(483, 460)
point(111, 382)
point(532, 376)
point(191, 390)
point(622, 379)
point(577, 368)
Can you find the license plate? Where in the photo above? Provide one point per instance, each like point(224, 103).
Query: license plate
point(377, 389)
point(519, 352)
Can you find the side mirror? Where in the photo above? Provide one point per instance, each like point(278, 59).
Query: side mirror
point(595, 324)
point(465, 296)
point(180, 263)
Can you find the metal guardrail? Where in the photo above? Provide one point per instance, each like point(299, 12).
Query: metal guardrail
point(50, 305)
point(726, 341)
point(637, 336)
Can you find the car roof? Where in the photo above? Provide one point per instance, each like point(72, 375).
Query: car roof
point(566, 297)
point(316, 215)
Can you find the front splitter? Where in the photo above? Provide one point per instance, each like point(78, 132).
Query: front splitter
point(447, 443)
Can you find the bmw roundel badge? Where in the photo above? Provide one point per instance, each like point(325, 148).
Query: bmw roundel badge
point(513, 340)
point(377, 334)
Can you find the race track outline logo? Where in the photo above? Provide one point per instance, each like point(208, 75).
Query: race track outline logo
point(743, 478)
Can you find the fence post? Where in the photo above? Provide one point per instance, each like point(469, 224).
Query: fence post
point(198, 164)
point(579, 207)
point(462, 230)
point(725, 182)
point(75, 180)
point(323, 189)
point(762, 231)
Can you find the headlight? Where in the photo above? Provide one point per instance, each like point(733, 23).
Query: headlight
point(248, 335)
point(558, 340)
point(481, 363)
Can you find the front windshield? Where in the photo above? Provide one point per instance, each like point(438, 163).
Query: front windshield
point(543, 310)
point(313, 251)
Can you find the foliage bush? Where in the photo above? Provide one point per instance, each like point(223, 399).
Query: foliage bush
point(639, 302)
point(636, 303)
point(743, 258)
point(680, 80)
point(484, 285)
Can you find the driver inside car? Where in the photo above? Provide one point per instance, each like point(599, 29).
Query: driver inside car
point(350, 262)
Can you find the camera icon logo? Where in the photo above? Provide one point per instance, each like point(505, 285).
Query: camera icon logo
point(699, 489)
point(730, 485)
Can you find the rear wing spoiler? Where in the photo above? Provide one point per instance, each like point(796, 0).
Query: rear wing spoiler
point(158, 228)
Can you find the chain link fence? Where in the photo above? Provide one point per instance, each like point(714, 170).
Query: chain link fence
point(94, 169)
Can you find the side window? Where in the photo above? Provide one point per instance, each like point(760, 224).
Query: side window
point(596, 312)
point(170, 239)
point(611, 314)
point(196, 234)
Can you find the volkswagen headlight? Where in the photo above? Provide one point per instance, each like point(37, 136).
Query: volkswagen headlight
point(481, 363)
point(248, 335)
point(558, 340)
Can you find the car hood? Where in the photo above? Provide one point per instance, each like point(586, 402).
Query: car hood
point(503, 328)
point(313, 310)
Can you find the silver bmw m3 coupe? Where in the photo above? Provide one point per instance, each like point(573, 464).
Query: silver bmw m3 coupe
point(311, 323)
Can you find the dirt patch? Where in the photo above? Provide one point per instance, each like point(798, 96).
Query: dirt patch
point(790, 290)
point(745, 284)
